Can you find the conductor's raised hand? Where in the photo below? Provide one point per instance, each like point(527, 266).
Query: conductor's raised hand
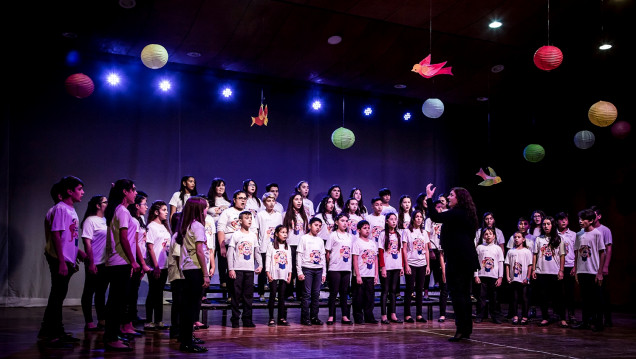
point(430, 190)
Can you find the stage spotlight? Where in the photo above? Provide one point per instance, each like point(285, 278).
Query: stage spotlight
point(316, 105)
point(368, 111)
point(113, 79)
point(407, 116)
point(165, 85)
point(227, 92)
point(495, 24)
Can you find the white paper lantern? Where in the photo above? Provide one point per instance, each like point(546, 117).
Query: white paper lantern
point(154, 56)
point(584, 139)
point(433, 108)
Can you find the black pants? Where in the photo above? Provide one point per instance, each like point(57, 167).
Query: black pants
point(176, 286)
point(191, 295)
point(364, 300)
point(222, 267)
point(459, 285)
point(389, 286)
point(567, 285)
point(519, 296)
point(311, 295)
point(415, 280)
point(295, 285)
point(262, 277)
point(436, 269)
point(95, 285)
point(591, 296)
point(277, 287)
point(487, 301)
point(339, 283)
point(243, 293)
point(132, 295)
point(118, 281)
point(154, 300)
point(52, 322)
point(606, 304)
point(548, 287)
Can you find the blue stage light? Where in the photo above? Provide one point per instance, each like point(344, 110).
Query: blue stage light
point(407, 116)
point(316, 105)
point(165, 85)
point(368, 111)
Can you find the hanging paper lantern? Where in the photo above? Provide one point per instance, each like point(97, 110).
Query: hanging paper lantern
point(621, 129)
point(602, 113)
point(584, 139)
point(343, 138)
point(154, 56)
point(79, 85)
point(548, 58)
point(433, 108)
point(533, 153)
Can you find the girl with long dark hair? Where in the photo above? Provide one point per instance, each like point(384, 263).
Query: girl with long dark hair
point(187, 188)
point(391, 267)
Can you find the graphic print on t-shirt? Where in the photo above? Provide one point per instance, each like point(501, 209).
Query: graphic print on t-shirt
point(488, 263)
point(280, 258)
point(375, 232)
point(419, 245)
point(546, 252)
point(315, 256)
point(518, 269)
point(74, 229)
point(235, 224)
point(368, 257)
point(245, 249)
point(270, 234)
point(298, 226)
point(393, 248)
point(353, 226)
point(585, 252)
point(345, 253)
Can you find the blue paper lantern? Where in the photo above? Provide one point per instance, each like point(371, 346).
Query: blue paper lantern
point(584, 139)
point(433, 108)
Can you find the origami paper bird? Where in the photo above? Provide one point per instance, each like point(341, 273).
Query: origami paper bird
point(262, 117)
point(488, 180)
point(425, 69)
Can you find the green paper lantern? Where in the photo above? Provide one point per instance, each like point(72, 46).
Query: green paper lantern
point(584, 139)
point(343, 138)
point(533, 153)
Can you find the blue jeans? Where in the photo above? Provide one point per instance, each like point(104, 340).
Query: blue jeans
point(311, 295)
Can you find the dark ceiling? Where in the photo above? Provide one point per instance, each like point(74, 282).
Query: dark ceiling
point(381, 39)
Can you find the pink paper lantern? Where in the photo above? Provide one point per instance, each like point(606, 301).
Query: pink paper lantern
point(548, 58)
point(79, 85)
point(621, 129)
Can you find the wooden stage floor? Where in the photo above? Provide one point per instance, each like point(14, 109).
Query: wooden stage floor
point(19, 328)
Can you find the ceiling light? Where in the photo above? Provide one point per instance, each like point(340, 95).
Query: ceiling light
point(165, 85)
point(127, 4)
point(368, 111)
point(399, 86)
point(316, 105)
point(194, 54)
point(482, 99)
point(334, 40)
point(605, 46)
point(497, 69)
point(113, 79)
point(227, 92)
point(407, 116)
point(495, 24)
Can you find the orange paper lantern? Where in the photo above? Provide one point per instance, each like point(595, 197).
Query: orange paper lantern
point(548, 58)
point(602, 113)
point(79, 85)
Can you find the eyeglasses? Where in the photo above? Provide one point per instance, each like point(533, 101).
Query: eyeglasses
point(105, 202)
point(241, 198)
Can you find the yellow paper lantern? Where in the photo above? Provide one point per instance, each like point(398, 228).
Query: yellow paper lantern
point(602, 113)
point(533, 153)
point(154, 56)
point(343, 138)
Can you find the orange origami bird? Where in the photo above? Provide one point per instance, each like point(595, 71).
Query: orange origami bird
point(262, 117)
point(425, 69)
point(493, 179)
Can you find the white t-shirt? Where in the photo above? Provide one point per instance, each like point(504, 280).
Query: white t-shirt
point(253, 206)
point(310, 254)
point(294, 234)
point(176, 201)
point(353, 224)
point(220, 202)
point(606, 233)
point(63, 218)
point(278, 207)
point(530, 240)
point(174, 267)
point(339, 245)
point(309, 207)
point(548, 258)
point(433, 229)
point(491, 261)
point(243, 252)
point(141, 239)
point(499, 237)
point(388, 209)
point(194, 234)
point(327, 225)
point(536, 232)
point(367, 252)
point(229, 223)
point(568, 238)
point(267, 223)
point(407, 221)
point(376, 224)
point(588, 245)
point(519, 260)
point(278, 262)
point(158, 235)
point(416, 243)
point(392, 255)
point(210, 231)
point(114, 250)
point(94, 229)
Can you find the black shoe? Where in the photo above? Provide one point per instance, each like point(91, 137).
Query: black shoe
point(580, 325)
point(249, 324)
point(283, 322)
point(542, 324)
point(478, 320)
point(316, 321)
point(346, 322)
point(196, 340)
point(306, 323)
point(330, 322)
point(58, 344)
point(458, 337)
point(372, 321)
point(409, 320)
point(496, 321)
point(398, 321)
point(193, 348)
point(67, 338)
point(384, 321)
point(235, 325)
point(420, 320)
point(440, 320)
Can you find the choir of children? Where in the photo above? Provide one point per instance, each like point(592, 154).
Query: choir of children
point(296, 251)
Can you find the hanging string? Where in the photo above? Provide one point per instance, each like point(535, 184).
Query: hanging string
point(430, 27)
point(262, 97)
point(548, 22)
point(343, 110)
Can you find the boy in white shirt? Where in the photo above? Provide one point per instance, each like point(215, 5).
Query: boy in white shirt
point(273, 189)
point(385, 195)
point(62, 238)
point(568, 237)
point(376, 219)
point(241, 256)
point(312, 269)
point(267, 220)
point(226, 226)
point(489, 276)
point(365, 265)
point(588, 266)
point(607, 240)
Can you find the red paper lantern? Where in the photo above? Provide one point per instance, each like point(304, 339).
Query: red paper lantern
point(79, 85)
point(548, 58)
point(621, 129)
